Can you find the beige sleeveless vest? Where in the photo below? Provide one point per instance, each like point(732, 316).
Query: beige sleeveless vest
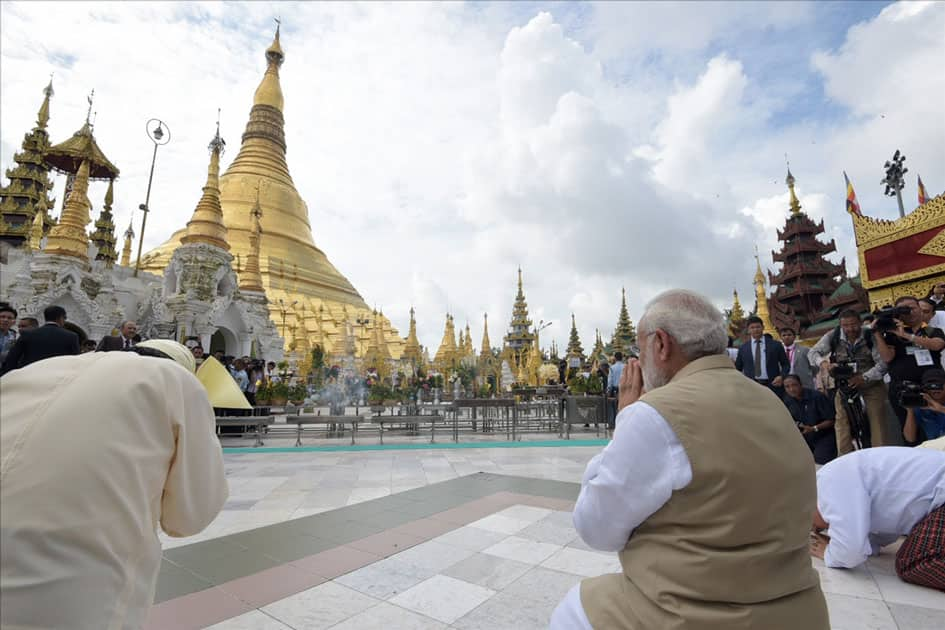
point(729, 551)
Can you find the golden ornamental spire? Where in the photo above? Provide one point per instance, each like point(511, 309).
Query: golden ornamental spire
point(250, 278)
point(104, 235)
point(42, 117)
point(795, 204)
point(486, 349)
point(68, 237)
point(39, 224)
point(206, 224)
point(412, 345)
point(126, 248)
point(468, 348)
point(269, 91)
point(762, 299)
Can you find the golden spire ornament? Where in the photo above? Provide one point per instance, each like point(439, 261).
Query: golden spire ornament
point(68, 237)
point(250, 278)
point(206, 224)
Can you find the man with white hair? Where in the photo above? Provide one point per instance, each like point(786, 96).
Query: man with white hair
point(95, 451)
point(705, 491)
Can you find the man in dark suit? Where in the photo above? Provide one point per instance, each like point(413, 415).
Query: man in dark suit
point(124, 340)
point(763, 359)
point(51, 340)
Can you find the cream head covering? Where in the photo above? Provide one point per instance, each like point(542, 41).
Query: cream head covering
point(178, 352)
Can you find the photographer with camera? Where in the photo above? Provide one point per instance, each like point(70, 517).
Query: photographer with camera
point(850, 356)
point(909, 348)
point(814, 417)
point(929, 410)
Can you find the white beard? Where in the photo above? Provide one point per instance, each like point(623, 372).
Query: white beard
point(652, 377)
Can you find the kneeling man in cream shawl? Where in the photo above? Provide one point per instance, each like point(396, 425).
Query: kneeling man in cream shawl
point(95, 451)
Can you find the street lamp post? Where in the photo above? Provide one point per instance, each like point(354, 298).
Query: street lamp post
point(542, 324)
point(894, 179)
point(159, 135)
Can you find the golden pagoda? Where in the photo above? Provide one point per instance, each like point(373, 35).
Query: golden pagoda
point(761, 308)
point(292, 268)
point(104, 235)
point(736, 324)
point(446, 355)
point(412, 350)
point(69, 237)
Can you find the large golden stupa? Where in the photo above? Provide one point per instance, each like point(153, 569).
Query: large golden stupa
point(311, 302)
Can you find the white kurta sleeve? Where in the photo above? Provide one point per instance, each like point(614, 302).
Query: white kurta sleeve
point(845, 504)
point(196, 488)
point(632, 478)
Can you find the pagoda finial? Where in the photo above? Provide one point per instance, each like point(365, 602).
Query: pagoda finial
point(42, 117)
point(795, 204)
point(759, 277)
point(269, 91)
point(88, 114)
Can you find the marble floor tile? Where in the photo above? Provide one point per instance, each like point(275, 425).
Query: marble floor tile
point(857, 582)
point(433, 556)
point(856, 613)
point(584, 563)
point(384, 579)
point(549, 532)
point(543, 585)
point(895, 591)
point(916, 618)
point(500, 524)
point(471, 538)
point(444, 598)
point(253, 620)
point(525, 513)
point(488, 571)
point(320, 607)
point(522, 550)
point(505, 612)
point(386, 616)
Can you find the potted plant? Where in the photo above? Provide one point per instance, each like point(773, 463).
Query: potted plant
point(297, 393)
point(280, 393)
point(264, 394)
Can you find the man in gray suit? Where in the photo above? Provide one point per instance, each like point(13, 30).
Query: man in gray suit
point(797, 357)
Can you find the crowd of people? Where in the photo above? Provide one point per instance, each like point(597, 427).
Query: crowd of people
point(841, 392)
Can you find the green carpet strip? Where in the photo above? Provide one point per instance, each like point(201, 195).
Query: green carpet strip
point(413, 446)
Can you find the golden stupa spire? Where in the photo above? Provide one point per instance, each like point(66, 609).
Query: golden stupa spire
point(126, 248)
point(68, 237)
point(39, 224)
point(206, 224)
point(762, 299)
point(795, 204)
point(269, 91)
point(486, 349)
point(412, 345)
point(468, 349)
point(250, 278)
point(42, 117)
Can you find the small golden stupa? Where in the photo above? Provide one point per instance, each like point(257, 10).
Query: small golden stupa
point(306, 292)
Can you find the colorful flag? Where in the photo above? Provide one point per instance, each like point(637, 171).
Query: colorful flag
point(923, 196)
point(853, 206)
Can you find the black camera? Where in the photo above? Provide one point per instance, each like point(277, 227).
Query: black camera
point(910, 393)
point(843, 370)
point(886, 317)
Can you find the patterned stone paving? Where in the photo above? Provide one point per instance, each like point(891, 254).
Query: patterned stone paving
point(417, 539)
